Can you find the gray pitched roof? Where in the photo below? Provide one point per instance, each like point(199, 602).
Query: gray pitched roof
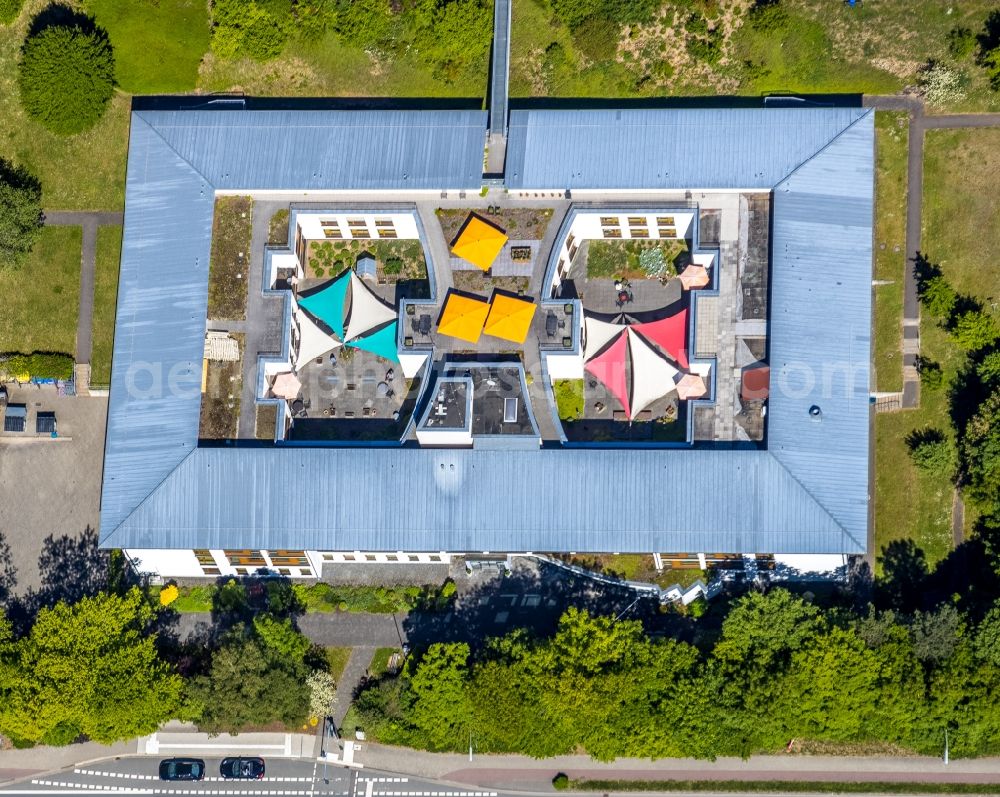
point(807, 493)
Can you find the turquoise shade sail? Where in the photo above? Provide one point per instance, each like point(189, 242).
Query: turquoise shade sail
point(381, 342)
point(327, 304)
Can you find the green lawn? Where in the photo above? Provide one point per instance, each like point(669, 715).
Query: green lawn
point(158, 45)
point(380, 662)
point(337, 657)
point(961, 208)
point(41, 298)
point(109, 245)
point(890, 247)
point(909, 503)
point(569, 398)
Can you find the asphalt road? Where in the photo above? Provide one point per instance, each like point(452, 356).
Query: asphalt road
point(285, 778)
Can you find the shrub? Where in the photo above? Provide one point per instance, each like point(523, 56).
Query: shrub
point(961, 42)
point(169, 594)
point(560, 782)
point(975, 330)
point(41, 365)
point(247, 30)
point(981, 449)
point(931, 451)
point(9, 10)
point(931, 375)
point(322, 693)
point(938, 297)
point(20, 213)
point(66, 75)
point(393, 266)
point(707, 49)
point(314, 17)
point(942, 84)
point(597, 38)
point(653, 262)
point(768, 17)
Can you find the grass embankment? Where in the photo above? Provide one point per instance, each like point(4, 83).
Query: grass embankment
point(41, 298)
point(891, 136)
point(109, 247)
point(779, 786)
point(959, 206)
point(807, 47)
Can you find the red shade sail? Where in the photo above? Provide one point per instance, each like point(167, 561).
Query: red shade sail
point(670, 334)
point(609, 368)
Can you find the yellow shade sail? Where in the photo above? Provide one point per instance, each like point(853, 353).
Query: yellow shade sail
point(463, 317)
point(479, 243)
point(509, 318)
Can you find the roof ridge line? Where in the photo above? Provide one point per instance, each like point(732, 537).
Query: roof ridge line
point(172, 148)
point(815, 500)
point(149, 495)
point(827, 145)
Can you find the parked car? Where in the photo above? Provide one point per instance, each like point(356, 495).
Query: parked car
point(238, 768)
point(182, 769)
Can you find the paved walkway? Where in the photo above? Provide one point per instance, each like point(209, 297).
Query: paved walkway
point(90, 221)
point(354, 673)
point(339, 629)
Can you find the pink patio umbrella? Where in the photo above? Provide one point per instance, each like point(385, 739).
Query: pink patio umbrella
point(691, 386)
point(694, 277)
point(286, 385)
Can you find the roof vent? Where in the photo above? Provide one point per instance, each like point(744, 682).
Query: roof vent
point(815, 412)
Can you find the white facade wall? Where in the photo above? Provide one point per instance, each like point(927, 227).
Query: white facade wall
point(452, 438)
point(312, 224)
point(165, 562)
point(568, 365)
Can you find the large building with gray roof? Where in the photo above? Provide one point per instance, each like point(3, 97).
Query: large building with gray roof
point(771, 208)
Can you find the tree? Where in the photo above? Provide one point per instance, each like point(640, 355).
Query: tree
point(20, 213)
point(246, 686)
point(988, 369)
point(935, 634)
point(938, 297)
point(975, 330)
point(987, 638)
point(981, 450)
point(961, 43)
point(90, 669)
point(931, 375)
point(440, 709)
point(66, 75)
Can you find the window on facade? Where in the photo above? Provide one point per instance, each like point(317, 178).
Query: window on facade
point(413, 557)
point(284, 571)
point(611, 233)
point(207, 562)
point(570, 240)
point(572, 252)
point(391, 557)
point(434, 557)
point(664, 221)
point(370, 557)
point(681, 561)
point(668, 232)
point(639, 232)
point(245, 557)
point(348, 557)
point(634, 220)
point(283, 558)
point(385, 233)
point(332, 232)
point(609, 221)
point(384, 223)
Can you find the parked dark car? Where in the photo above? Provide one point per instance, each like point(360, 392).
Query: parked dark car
point(242, 768)
point(182, 769)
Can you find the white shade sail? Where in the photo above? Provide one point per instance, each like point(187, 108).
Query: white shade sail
point(313, 341)
point(652, 374)
point(367, 310)
point(599, 334)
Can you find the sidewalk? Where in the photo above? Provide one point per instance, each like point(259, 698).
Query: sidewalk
point(530, 774)
point(16, 764)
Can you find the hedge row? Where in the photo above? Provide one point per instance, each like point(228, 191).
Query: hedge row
point(40, 364)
